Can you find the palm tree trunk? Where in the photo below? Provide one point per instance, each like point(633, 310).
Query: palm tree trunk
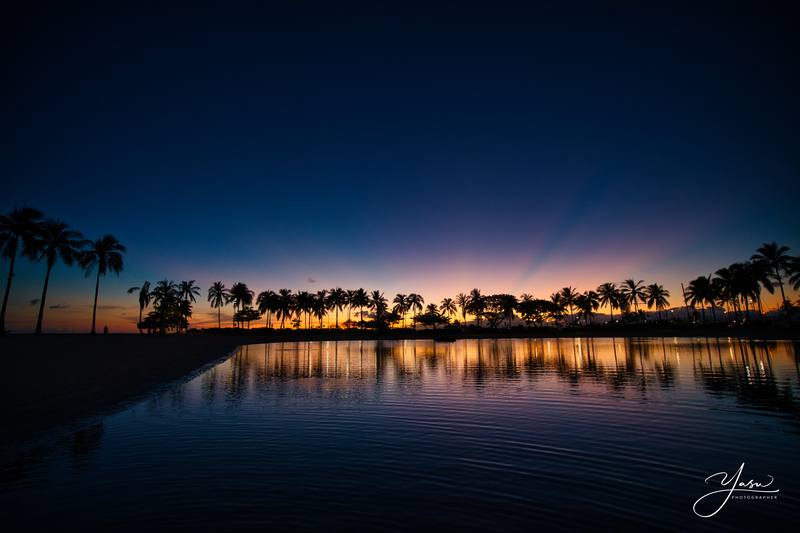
point(8, 288)
point(140, 320)
point(219, 318)
point(94, 307)
point(41, 303)
point(780, 283)
point(337, 318)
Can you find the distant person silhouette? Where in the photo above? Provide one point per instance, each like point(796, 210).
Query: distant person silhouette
point(105, 330)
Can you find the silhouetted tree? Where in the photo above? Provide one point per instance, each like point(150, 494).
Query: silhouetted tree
point(777, 261)
point(144, 299)
point(18, 227)
point(218, 297)
point(656, 296)
point(103, 255)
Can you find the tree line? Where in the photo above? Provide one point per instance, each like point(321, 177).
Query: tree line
point(25, 232)
point(733, 288)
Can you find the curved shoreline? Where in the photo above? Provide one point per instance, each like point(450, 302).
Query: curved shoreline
point(51, 380)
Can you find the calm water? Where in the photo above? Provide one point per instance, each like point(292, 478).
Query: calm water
point(493, 434)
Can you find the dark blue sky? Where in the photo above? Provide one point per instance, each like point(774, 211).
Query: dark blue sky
point(407, 149)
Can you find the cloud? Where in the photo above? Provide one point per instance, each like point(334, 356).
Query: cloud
point(59, 306)
point(311, 280)
point(110, 307)
point(34, 302)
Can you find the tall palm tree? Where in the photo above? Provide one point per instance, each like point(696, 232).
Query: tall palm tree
point(568, 295)
point(304, 301)
point(727, 287)
point(337, 299)
point(448, 307)
point(794, 273)
point(476, 305)
point(18, 227)
point(779, 263)
point(378, 303)
point(218, 297)
point(608, 295)
point(462, 300)
point(55, 240)
point(400, 307)
point(103, 255)
point(633, 292)
point(285, 305)
point(360, 299)
point(701, 291)
point(350, 296)
point(267, 302)
point(320, 305)
point(414, 302)
point(189, 291)
point(144, 300)
point(656, 296)
point(241, 296)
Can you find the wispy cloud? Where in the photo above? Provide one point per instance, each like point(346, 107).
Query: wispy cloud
point(59, 306)
point(110, 307)
point(311, 280)
point(34, 302)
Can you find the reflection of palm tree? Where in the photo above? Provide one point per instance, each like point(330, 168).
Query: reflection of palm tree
point(656, 296)
point(144, 300)
point(19, 226)
point(55, 240)
point(105, 255)
point(633, 292)
point(448, 307)
point(462, 300)
point(776, 259)
point(608, 295)
point(218, 297)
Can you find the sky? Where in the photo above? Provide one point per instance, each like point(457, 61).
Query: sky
point(425, 150)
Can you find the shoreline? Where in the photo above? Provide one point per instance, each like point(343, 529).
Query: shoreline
point(53, 380)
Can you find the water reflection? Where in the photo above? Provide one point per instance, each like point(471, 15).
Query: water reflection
point(760, 374)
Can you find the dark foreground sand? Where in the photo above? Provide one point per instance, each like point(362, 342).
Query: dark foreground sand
point(50, 380)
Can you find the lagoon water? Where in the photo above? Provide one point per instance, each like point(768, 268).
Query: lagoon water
point(560, 434)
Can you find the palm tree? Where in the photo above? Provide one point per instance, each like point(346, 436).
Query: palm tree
point(189, 291)
point(633, 292)
point(144, 300)
point(414, 302)
point(699, 291)
point(608, 295)
point(304, 302)
point(794, 273)
point(656, 296)
point(350, 296)
point(319, 306)
point(448, 307)
point(337, 299)
point(104, 255)
point(218, 297)
point(241, 296)
point(378, 303)
point(19, 226)
point(285, 305)
point(507, 304)
point(401, 306)
point(360, 299)
point(267, 302)
point(476, 305)
point(54, 240)
point(462, 300)
point(568, 295)
point(776, 259)
point(558, 306)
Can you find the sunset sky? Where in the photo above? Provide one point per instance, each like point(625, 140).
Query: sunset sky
point(435, 152)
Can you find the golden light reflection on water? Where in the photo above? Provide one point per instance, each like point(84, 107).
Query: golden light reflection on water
point(766, 370)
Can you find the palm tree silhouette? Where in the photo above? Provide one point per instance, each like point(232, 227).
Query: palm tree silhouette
point(18, 227)
point(699, 291)
point(656, 296)
point(144, 300)
point(633, 292)
point(462, 300)
point(337, 299)
point(350, 295)
point(414, 302)
point(320, 305)
point(476, 305)
point(104, 255)
point(568, 296)
point(218, 297)
point(54, 239)
point(401, 306)
point(241, 296)
point(189, 291)
point(285, 305)
point(778, 262)
point(360, 299)
point(608, 295)
point(267, 302)
point(448, 307)
point(379, 304)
